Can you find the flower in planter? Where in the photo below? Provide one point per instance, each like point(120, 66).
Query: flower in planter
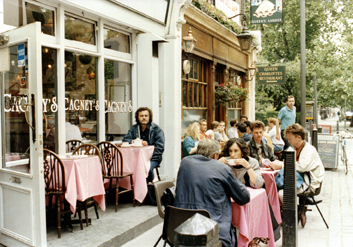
point(230, 93)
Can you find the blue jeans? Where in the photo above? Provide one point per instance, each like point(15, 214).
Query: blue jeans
point(150, 174)
point(277, 148)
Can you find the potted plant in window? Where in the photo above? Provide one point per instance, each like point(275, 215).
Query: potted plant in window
point(226, 93)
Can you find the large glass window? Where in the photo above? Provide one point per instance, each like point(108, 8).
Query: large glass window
point(116, 41)
point(15, 97)
point(117, 77)
point(44, 16)
point(79, 30)
point(81, 103)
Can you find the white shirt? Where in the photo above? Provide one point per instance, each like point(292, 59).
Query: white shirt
point(232, 133)
point(272, 135)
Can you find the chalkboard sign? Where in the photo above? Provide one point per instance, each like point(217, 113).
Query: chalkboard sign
point(328, 150)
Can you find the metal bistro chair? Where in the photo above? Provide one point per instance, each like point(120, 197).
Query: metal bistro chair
point(88, 149)
point(159, 188)
point(71, 145)
point(55, 188)
point(175, 217)
point(113, 169)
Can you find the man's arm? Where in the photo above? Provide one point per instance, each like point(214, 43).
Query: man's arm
point(159, 142)
point(129, 136)
point(236, 189)
point(280, 114)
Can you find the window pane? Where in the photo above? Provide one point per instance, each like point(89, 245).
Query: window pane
point(46, 17)
point(79, 30)
point(49, 79)
point(117, 99)
point(16, 95)
point(200, 95)
point(195, 69)
point(184, 92)
point(116, 41)
point(191, 73)
point(80, 95)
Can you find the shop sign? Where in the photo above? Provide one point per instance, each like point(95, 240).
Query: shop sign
point(266, 11)
point(272, 75)
point(229, 7)
point(18, 104)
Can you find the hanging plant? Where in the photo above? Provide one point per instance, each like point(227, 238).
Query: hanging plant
point(230, 93)
point(85, 59)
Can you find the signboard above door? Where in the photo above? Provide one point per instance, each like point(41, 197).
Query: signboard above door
point(272, 75)
point(266, 11)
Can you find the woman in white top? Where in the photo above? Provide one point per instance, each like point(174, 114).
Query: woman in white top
point(275, 134)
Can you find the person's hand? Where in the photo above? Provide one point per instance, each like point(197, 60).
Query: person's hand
point(223, 160)
point(241, 162)
point(276, 165)
point(144, 143)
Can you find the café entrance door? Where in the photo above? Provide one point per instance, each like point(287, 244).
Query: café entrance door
point(22, 195)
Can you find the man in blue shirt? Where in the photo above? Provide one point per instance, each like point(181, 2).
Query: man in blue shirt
point(287, 117)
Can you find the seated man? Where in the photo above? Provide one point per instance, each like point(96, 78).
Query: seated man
point(232, 131)
point(241, 128)
point(247, 136)
point(203, 129)
point(307, 160)
point(259, 148)
point(150, 133)
point(205, 183)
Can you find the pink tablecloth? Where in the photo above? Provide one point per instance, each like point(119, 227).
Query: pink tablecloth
point(83, 177)
point(253, 219)
point(271, 190)
point(138, 161)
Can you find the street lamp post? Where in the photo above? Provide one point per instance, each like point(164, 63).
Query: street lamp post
point(245, 38)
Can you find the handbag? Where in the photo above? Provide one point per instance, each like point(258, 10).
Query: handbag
point(259, 242)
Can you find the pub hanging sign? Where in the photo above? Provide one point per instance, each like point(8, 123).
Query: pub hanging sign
point(266, 11)
point(272, 75)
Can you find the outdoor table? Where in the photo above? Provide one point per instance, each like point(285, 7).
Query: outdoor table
point(83, 178)
point(253, 219)
point(271, 190)
point(137, 160)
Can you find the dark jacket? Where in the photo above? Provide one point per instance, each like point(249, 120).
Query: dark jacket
point(267, 151)
point(208, 184)
point(156, 138)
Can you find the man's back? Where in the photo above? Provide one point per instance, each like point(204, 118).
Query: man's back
point(205, 183)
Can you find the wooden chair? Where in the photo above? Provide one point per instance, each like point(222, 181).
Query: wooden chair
point(88, 149)
point(71, 145)
point(113, 170)
point(55, 188)
point(174, 217)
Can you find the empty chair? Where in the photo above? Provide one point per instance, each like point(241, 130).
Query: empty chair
point(71, 145)
point(55, 187)
point(113, 170)
point(88, 149)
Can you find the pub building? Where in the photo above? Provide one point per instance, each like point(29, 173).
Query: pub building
point(73, 69)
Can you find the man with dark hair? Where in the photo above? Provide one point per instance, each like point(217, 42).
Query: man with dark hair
point(232, 131)
point(150, 133)
point(287, 116)
point(243, 119)
point(241, 128)
point(247, 136)
point(205, 183)
point(259, 149)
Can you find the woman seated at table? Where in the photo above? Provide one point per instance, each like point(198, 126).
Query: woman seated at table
point(236, 154)
point(275, 134)
point(191, 139)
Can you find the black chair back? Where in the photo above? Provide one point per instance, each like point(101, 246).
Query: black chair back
point(112, 160)
point(71, 145)
point(54, 173)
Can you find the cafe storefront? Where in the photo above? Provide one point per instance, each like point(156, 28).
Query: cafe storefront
point(216, 59)
point(77, 70)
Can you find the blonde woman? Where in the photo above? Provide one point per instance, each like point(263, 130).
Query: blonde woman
point(275, 134)
point(191, 139)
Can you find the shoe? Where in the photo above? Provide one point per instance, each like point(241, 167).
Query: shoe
point(303, 217)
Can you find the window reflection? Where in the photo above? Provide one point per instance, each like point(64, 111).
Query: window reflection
point(79, 30)
point(44, 16)
point(117, 89)
point(116, 41)
point(80, 96)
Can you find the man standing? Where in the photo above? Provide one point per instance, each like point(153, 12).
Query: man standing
point(287, 116)
point(307, 160)
point(259, 149)
point(203, 129)
point(233, 132)
point(205, 183)
point(150, 133)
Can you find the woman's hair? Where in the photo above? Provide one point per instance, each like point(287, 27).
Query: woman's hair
point(276, 124)
point(214, 124)
point(272, 120)
point(143, 109)
point(245, 150)
point(208, 147)
point(191, 131)
point(296, 130)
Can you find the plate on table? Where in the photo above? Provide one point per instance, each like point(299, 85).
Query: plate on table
point(136, 146)
point(126, 146)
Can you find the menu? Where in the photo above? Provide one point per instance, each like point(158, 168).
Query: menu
point(328, 150)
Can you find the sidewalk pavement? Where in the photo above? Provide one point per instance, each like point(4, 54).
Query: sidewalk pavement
point(336, 207)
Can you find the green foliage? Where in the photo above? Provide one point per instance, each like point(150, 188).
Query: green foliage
point(230, 93)
point(264, 116)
